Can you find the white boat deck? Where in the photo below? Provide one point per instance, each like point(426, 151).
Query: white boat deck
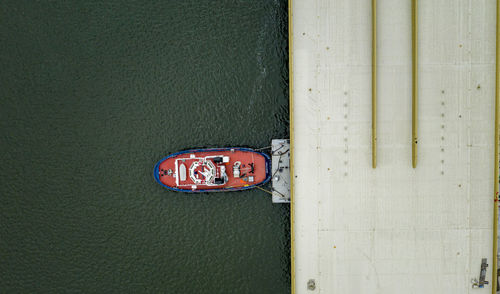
point(393, 229)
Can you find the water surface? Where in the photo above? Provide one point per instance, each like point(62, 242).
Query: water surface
point(92, 94)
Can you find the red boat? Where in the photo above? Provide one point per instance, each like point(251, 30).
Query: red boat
point(213, 170)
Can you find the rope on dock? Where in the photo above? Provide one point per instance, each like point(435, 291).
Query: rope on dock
point(270, 192)
point(264, 190)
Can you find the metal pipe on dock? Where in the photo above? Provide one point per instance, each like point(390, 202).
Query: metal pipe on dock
point(496, 165)
point(414, 87)
point(292, 142)
point(374, 83)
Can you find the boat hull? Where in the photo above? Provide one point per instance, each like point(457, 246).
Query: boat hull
point(190, 170)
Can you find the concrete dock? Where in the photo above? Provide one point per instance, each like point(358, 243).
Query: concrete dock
point(393, 228)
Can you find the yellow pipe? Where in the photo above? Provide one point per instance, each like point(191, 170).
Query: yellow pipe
point(414, 87)
point(374, 83)
point(292, 175)
point(495, 172)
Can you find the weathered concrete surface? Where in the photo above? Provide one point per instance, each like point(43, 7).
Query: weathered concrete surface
point(393, 229)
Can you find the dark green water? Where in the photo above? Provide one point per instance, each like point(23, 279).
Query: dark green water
point(92, 94)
